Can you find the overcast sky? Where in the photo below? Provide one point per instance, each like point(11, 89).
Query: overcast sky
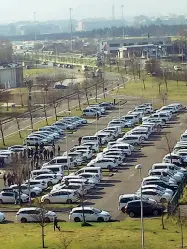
point(15, 10)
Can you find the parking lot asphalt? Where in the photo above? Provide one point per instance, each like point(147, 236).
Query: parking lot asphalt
point(126, 180)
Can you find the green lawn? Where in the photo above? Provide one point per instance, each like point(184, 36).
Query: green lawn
point(19, 90)
point(36, 71)
point(176, 92)
point(126, 234)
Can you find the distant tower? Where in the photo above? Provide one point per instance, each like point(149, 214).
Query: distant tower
point(122, 17)
point(113, 12)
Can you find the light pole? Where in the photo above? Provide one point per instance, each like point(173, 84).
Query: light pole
point(67, 152)
point(139, 168)
point(71, 28)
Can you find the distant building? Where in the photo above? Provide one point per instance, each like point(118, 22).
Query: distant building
point(11, 77)
point(141, 47)
point(80, 26)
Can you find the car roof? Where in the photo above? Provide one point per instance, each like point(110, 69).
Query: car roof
point(163, 164)
point(28, 208)
point(126, 196)
point(80, 208)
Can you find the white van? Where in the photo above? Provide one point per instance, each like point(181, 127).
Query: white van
point(38, 172)
point(126, 148)
point(55, 168)
point(66, 162)
point(93, 139)
point(32, 140)
point(96, 170)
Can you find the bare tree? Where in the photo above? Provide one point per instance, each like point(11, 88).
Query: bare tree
point(143, 81)
point(85, 87)
point(5, 97)
point(53, 101)
point(122, 78)
point(41, 218)
point(163, 96)
point(45, 106)
point(20, 172)
point(65, 242)
point(2, 132)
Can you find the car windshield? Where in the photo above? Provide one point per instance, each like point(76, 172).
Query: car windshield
point(96, 210)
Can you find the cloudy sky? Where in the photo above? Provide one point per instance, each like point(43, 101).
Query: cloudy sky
point(15, 10)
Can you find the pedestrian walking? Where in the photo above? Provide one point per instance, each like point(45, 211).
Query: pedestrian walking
point(58, 150)
point(36, 146)
point(79, 140)
point(9, 181)
point(55, 224)
point(51, 154)
point(16, 197)
point(4, 179)
point(31, 152)
point(53, 147)
point(45, 154)
point(48, 154)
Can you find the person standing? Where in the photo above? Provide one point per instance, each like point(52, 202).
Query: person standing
point(53, 148)
point(55, 224)
point(58, 150)
point(48, 154)
point(79, 140)
point(51, 154)
point(4, 179)
point(45, 154)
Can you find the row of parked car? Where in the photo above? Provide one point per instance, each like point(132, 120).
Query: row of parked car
point(67, 189)
point(163, 178)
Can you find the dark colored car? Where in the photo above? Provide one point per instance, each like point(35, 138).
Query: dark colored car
point(133, 208)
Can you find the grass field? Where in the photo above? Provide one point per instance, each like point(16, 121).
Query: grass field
point(126, 234)
point(36, 71)
point(176, 92)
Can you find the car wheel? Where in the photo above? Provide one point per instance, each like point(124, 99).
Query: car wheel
point(46, 219)
point(100, 219)
point(77, 219)
point(46, 201)
point(155, 212)
point(1, 201)
point(33, 194)
point(163, 200)
point(23, 220)
point(49, 184)
point(132, 214)
point(123, 210)
point(69, 201)
point(135, 144)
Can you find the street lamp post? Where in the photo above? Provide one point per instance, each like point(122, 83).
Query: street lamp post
point(139, 168)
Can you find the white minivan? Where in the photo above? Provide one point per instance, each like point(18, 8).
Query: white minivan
point(55, 168)
point(66, 162)
point(97, 170)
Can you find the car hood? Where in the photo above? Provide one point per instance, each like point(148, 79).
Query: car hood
point(37, 189)
point(51, 213)
point(105, 213)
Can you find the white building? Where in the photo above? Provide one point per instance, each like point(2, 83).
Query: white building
point(142, 44)
point(11, 77)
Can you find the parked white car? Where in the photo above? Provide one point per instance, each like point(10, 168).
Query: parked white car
point(90, 213)
point(131, 139)
point(2, 217)
point(156, 195)
point(61, 196)
point(9, 197)
point(156, 187)
point(33, 214)
point(104, 163)
point(36, 183)
point(25, 190)
point(50, 179)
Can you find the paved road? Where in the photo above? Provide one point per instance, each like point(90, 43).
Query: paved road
point(11, 127)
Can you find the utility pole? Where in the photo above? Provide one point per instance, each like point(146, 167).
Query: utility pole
point(122, 15)
point(113, 12)
point(71, 28)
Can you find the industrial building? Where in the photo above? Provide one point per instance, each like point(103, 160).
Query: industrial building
point(11, 77)
point(144, 47)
